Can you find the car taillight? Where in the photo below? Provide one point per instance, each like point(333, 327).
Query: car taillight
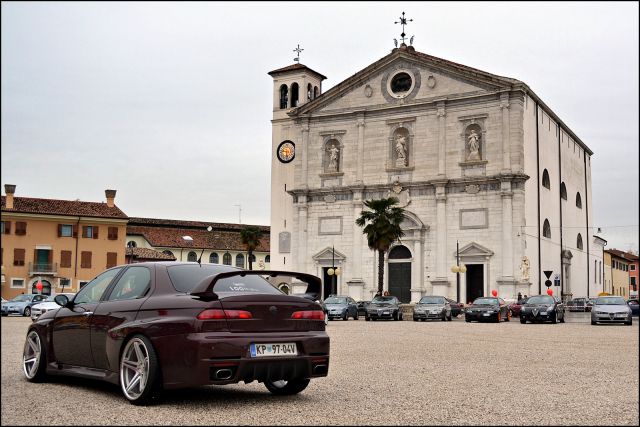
point(217, 314)
point(308, 315)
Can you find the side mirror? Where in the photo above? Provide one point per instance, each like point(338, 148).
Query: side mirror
point(61, 300)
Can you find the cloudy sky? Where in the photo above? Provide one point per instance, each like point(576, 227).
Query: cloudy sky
point(170, 103)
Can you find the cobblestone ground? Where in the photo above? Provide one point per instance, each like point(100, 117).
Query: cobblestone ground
point(407, 372)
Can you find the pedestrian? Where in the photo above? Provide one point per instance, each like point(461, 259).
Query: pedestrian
point(519, 297)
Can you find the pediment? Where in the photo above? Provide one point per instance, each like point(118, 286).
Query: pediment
point(473, 249)
point(326, 255)
point(433, 78)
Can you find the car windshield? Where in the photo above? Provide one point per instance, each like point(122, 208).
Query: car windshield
point(610, 301)
point(431, 300)
point(486, 301)
point(542, 299)
point(21, 298)
point(334, 300)
point(383, 300)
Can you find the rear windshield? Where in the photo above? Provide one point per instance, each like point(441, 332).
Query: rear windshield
point(186, 277)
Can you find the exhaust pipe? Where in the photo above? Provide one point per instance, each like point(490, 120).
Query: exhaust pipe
point(320, 370)
point(223, 374)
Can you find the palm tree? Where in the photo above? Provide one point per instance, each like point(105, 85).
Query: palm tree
point(382, 227)
point(250, 237)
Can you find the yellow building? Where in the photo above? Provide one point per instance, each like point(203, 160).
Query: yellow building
point(61, 243)
point(616, 272)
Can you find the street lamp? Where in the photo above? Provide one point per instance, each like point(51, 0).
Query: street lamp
point(458, 269)
point(333, 271)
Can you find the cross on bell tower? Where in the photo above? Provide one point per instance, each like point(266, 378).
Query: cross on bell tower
point(298, 49)
point(403, 21)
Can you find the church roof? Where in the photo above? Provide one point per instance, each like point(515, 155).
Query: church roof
point(294, 67)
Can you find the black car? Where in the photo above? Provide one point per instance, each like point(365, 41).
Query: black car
point(542, 308)
point(487, 308)
point(456, 307)
point(635, 306)
point(384, 307)
point(578, 304)
point(362, 307)
point(341, 307)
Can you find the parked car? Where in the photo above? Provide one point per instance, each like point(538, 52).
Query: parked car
point(432, 307)
point(21, 304)
point(578, 304)
point(487, 308)
point(46, 305)
point(515, 307)
point(590, 302)
point(635, 307)
point(611, 309)
point(456, 307)
point(342, 307)
point(384, 307)
point(542, 308)
point(362, 307)
point(157, 325)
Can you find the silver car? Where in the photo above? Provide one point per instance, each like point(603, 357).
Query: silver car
point(610, 309)
point(432, 307)
point(46, 305)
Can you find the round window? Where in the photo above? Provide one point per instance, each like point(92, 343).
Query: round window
point(401, 83)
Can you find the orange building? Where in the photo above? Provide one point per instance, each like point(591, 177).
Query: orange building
point(61, 243)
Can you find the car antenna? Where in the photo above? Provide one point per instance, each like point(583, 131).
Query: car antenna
point(209, 228)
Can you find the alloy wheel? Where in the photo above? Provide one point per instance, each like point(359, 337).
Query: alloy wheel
point(31, 354)
point(134, 369)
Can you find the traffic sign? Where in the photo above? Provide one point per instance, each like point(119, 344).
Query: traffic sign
point(547, 283)
point(548, 273)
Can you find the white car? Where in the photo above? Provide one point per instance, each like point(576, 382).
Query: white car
point(46, 305)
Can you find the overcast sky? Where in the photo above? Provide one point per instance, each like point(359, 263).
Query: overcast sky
point(170, 103)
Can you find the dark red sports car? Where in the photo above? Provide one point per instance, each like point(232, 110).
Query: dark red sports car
point(169, 325)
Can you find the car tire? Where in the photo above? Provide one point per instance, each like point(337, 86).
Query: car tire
point(444, 317)
point(286, 388)
point(356, 316)
point(450, 317)
point(415, 319)
point(400, 316)
point(593, 322)
point(326, 319)
point(5, 314)
point(523, 320)
point(129, 369)
point(34, 358)
point(555, 318)
point(629, 323)
point(367, 318)
point(26, 312)
point(346, 316)
point(467, 320)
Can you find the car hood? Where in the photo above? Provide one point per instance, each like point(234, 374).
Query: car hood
point(611, 308)
point(537, 306)
point(45, 306)
point(376, 306)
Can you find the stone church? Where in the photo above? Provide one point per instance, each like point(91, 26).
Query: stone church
point(488, 175)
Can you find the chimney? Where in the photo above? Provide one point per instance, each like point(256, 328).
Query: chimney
point(111, 194)
point(9, 189)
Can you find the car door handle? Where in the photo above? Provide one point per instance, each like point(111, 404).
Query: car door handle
point(88, 313)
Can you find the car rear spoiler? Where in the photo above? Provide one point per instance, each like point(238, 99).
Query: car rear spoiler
point(204, 289)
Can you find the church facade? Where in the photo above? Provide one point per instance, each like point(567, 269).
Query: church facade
point(488, 175)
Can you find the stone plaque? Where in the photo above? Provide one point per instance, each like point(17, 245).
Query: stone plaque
point(284, 242)
point(330, 225)
point(474, 218)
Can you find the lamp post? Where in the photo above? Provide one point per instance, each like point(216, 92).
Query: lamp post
point(333, 271)
point(458, 269)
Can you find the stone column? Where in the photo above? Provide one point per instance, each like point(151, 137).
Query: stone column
point(506, 143)
point(360, 167)
point(441, 139)
point(301, 253)
point(305, 155)
point(507, 282)
point(357, 248)
point(440, 283)
point(416, 273)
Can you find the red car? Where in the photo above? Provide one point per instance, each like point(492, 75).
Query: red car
point(515, 307)
point(150, 326)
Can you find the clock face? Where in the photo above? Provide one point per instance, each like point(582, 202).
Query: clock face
point(286, 151)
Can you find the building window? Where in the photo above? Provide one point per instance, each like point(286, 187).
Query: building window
point(579, 242)
point(65, 230)
point(112, 259)
point(240, 260)
point(284, 97)
point(226, 259)
point(87, 231)
point(546, 229)
point(401, 83)
point(253, 258)
point(81, 283)
point(309, 92)
point(192, 257)
point(112, 233)
point(546, 182)
point(21, 228)
point(131, 244)
point(267, 258)
point(85, 259)
point(563, 191)
point(632, 267)
point(168, 252)
point(578, 201)
point(3, 229)
point(315, 92)
point(294, 95)
point(64, 283)
point(65, 259)
point(633, 284)
point(18, 257)
point(17, 283)
point(213, 258)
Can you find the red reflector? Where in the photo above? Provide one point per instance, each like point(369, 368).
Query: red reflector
point(308, 315)
point(216, 314)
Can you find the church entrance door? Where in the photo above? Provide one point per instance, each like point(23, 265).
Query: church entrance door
point(475, 281)
point(400, 280)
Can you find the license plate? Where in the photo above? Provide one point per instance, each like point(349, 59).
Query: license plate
point(267, 350)
point(486, 314)
point(385, 312)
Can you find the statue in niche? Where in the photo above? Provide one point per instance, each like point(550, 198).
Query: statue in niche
point(401, 151)
point(334, 157)
point(524, 269)
point(474, 146)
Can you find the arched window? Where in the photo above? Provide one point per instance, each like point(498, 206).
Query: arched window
point(294, 95)
point(315, 92)
point(578, 201)
point(563, 191)
point(240, 260)
point(309, 92)
point(192, 257)
point(400, 252)
point(213, 258)
point(267, 258)
point(168, 252)
point(226, 259)
point(131, 244)
point(579, 242)
point(546, 229)
point(253, 258)
point(546, 182)
point(284, 97)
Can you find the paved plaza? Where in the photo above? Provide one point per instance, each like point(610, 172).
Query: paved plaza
point(382, 373)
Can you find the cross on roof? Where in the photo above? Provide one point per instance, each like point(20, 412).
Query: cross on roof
point(403, 21)
point(297, 58)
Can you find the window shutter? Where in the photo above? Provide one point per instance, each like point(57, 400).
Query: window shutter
point(113, 233)
point(75, 231)
point(84, 231)
point(65, 259)
point(21, 228)
point(112, 259)
point(7, 227)
point(85, 260)
point(35, 257)
point(95, 231)
point(50, 257)
point(59, 230)
point(18, 257)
